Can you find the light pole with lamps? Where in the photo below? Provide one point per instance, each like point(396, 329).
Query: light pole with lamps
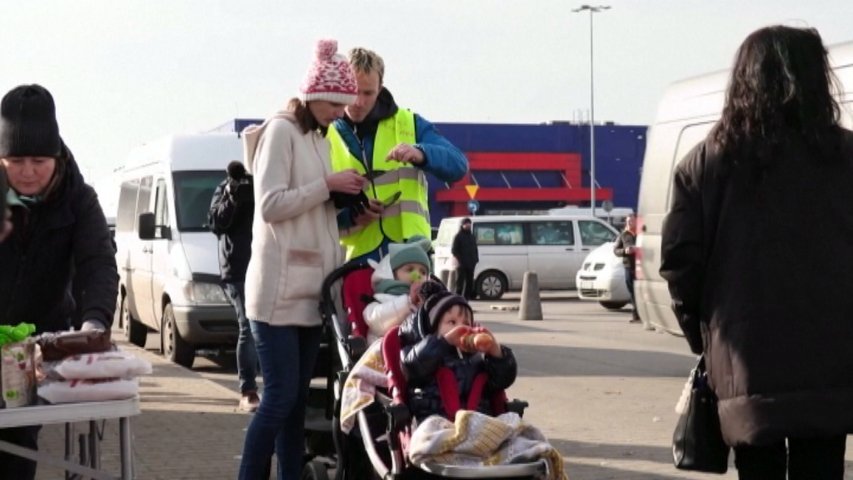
point(592, 10)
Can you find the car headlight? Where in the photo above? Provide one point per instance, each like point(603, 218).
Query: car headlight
point(203, 292)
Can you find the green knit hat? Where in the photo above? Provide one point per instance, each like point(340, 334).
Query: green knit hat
point(403, 253)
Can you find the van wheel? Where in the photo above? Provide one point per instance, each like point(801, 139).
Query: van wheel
point(613, 305)
point(491, 285)
point(174, 347)
point(135, 332)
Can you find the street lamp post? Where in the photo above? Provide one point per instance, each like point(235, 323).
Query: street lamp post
point(592, 10)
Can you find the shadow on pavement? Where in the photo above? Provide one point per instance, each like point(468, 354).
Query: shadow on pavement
point(166, 444)
point(579, 455)
point(557, 361)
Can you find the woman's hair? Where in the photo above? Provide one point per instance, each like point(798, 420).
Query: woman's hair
point(781, 89)
point(304, 118)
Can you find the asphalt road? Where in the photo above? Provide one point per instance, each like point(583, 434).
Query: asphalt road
point(600, 388)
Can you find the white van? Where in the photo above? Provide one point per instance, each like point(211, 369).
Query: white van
point(553, 246)
point(686, 114)
point(166, 255)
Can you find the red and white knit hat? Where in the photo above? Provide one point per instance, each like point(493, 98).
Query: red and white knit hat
point(330, 77)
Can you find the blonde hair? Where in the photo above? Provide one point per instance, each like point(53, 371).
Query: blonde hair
point(366, 61)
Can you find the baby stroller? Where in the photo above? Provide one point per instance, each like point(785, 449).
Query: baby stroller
point(375, 448)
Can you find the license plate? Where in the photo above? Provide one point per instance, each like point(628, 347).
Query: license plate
point(586, 285)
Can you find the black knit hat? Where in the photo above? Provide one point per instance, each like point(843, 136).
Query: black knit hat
point(28, 125)
point(436, 305)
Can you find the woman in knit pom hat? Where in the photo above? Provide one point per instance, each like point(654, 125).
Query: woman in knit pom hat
point(294, 246)
point(59, 238)
point(442, 331)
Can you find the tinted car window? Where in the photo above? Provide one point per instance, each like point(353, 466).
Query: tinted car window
point(510, 233)
point(552, 233)
point(594, 233)
point(193, 193)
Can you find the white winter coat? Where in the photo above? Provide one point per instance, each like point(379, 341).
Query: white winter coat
point(387, 310)
point(294, 233)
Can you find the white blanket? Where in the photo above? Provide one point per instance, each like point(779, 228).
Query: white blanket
point(476, 439)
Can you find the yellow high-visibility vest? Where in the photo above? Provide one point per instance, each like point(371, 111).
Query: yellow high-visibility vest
point(407, 217)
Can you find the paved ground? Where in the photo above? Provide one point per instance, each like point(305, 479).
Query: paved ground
point(600, 388)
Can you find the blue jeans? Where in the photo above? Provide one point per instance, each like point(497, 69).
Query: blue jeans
point(287, 357)
point(247, 355)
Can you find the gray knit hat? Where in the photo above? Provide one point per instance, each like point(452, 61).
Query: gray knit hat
point(28, 125)
point(403, 253)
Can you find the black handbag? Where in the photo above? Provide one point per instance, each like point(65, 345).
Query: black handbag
point(697, 443)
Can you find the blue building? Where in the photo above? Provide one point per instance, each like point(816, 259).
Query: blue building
point(534, 167)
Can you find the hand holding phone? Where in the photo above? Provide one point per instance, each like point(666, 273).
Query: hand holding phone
point(391, 200)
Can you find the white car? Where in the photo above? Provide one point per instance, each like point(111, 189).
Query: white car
point(602, 278)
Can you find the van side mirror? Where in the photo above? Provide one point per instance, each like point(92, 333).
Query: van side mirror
point(146, 226)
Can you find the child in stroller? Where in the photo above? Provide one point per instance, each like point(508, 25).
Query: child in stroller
point(385, 422)
point(442, 349)
point(395, 285)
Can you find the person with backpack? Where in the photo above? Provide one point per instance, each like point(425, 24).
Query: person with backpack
point(230, 218)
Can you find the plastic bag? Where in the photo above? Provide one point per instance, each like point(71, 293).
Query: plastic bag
point(18, 373)
point(17, 333)
point(115, 364)
point(56, 346)
point(71, 391)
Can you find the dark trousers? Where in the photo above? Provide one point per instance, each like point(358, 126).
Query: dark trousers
point(13, 467)
point(465, 282)
point(803, 459)
point(629, 282)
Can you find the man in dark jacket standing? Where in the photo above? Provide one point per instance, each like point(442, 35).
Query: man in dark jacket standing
point(465, 252)
point(230, 218)
point(59, 237)
point(626, 247)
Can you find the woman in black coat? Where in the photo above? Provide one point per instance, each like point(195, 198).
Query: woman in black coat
point(757, 254)
point(59, 242)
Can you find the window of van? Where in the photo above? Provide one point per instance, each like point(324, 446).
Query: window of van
point(143, 199)
point(161, 209)
point(552, 233)
point(193, 193)
point(127, 205)
point(509, 233)
point(690, 136)
point(594, 233)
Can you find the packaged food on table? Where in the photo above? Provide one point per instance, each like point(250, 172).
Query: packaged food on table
point(17, 369)
point(91, 390)
point(113, 364)
point(56, 346)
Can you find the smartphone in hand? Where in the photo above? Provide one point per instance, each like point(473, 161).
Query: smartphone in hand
point(390, 200)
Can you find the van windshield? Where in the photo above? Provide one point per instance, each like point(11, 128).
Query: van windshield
point(193, 192)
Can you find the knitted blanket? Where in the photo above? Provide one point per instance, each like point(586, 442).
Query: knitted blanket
point(476, 439)
point(360, 387)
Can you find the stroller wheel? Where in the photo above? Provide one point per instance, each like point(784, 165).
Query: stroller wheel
point(315, 470)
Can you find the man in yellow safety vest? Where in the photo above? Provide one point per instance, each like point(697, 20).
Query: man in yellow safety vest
point(393, 148)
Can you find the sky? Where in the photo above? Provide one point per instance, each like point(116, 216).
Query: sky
point(125, 72)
